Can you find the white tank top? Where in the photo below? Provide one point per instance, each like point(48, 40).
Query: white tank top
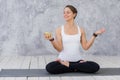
point(71, 46)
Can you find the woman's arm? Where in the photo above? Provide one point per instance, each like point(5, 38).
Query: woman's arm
point(57, 42)
point(87, 44)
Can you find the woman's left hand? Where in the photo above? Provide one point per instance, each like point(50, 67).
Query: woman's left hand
point(100, 31)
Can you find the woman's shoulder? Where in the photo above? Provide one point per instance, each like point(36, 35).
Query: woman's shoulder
point(58, 29)
point(82, 29)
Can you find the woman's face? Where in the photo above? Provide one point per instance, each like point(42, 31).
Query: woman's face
point(68, 14)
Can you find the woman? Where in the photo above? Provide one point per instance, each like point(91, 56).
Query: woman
point(67, 42)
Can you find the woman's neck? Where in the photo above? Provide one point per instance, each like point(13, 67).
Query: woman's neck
point(70, 23)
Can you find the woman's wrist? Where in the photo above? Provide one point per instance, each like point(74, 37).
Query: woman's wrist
point(95, 35)
point(52, 39)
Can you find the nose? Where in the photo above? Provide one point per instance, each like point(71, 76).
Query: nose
point(65, 15)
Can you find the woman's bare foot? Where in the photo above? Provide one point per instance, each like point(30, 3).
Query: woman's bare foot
point(66, 63)
point(82, 61)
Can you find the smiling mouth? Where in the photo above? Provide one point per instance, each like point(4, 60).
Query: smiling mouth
point(66, 17)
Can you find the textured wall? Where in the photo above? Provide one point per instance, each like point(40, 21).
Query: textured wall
point(23, 22)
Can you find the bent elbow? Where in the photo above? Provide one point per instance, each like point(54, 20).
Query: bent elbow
point(86, 48)
point(59, 50)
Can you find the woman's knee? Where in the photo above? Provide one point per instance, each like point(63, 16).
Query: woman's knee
point(95, 67)
point(50, 67)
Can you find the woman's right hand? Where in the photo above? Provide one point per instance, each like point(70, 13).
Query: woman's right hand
point(48, 35)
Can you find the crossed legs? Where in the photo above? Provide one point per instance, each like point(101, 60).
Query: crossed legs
point(56, 67)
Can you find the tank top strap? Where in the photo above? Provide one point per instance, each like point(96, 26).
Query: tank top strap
point(62, 30)
point(78, 30)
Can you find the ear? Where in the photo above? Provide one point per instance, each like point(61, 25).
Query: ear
point(74, 15)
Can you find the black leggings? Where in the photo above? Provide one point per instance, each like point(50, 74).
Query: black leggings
point(86, 67)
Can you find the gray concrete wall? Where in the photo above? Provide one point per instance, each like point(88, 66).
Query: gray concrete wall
point(23, 22)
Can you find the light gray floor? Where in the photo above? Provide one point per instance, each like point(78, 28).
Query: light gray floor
point(33, 68)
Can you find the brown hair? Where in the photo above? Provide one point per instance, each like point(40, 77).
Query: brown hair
point(73, 9)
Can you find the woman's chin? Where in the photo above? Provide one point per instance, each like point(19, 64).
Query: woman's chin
point(67, 20)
